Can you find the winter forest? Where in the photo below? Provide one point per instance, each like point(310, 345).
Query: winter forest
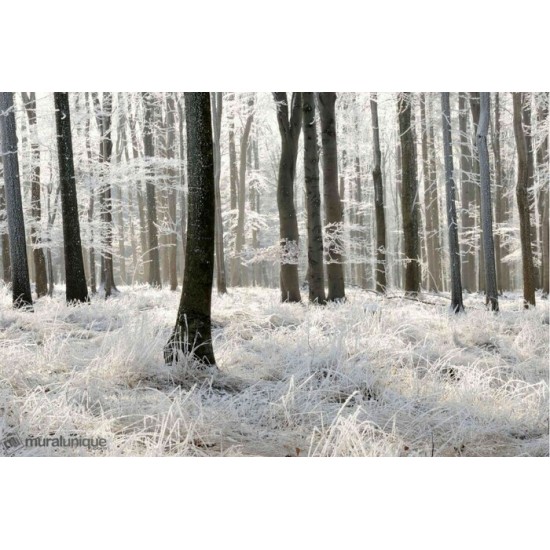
point(290, 274)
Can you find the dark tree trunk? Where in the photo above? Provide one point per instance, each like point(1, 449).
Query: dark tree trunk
point(528, 130)
point(289, 129)
point(75, 278)
point(381, 283)
point(192, 333)
point(315, 273)
point(454, 248)
point(409, 196)
point(149, 153)
point(217, 109)
point(486, 203)
point(522, 195)
point(36, 210)
point(468, 198)
point(21, 287)
point(333, 206)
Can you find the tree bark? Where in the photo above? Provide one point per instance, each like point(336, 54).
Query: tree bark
point(6, 262)
point(149, 153)
point(522, 196)
point(528, 130)
point(409, 197)
point(381, 282)
point(486, 203)
point(289, 129)
point(75, 278)
point(315, 273)
point(193, 333)
point(21, 287)
point(334, 215)
point(454, 248)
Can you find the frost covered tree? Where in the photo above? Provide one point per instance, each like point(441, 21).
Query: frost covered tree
point(152, 231)
point(522, 196)
point(315, 271)
point(452, 222)
point(333, 201)
point(192, 334)
point(75, 277)
point(409, 195)
point(21, 287)
point(290, 125)
point(486, 203)
point(381, 282)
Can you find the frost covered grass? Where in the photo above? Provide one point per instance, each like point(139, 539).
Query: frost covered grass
point(371, 377)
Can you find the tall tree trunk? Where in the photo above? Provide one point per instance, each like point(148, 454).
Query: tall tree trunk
point(468, 198)
point(454, 248)
point(409, 196)
point(36, 210)
point(528, 131)
point(289, 129)
point(217, 109)
point(91, 251)
point(172, 194)
point(315, 272)
point(6, 262)
point(381, 282)
point(75, 279)
point(544, 174)
point(333, 206)
point(149, 153)
point(21, 287)
point(486, 203)
point(192, 334)
point(237, 268)
point(522, 195)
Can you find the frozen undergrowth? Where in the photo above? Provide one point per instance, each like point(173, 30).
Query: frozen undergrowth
point(371, 377)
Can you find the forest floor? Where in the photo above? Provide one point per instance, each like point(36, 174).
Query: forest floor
point(371, 377)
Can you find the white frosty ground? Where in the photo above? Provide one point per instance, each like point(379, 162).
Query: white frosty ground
point(372, 377)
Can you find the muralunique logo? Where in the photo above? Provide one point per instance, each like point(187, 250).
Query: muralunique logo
point(11, 443)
